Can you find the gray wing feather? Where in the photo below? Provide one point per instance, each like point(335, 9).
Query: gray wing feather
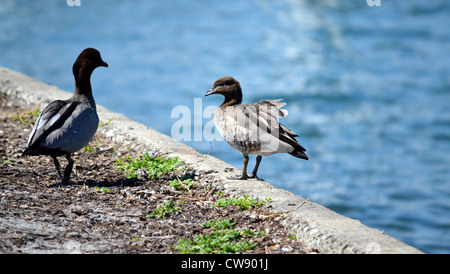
point(48, 118)
point(64, 125)
point(256, 124)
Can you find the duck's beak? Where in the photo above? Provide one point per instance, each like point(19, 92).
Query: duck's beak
point(104, 64)
point(209, 92)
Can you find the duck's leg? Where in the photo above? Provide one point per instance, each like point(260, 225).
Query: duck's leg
point(244, 168)
point(255, 170)
point(68, 169)
point(244, 171)
point(55, 160)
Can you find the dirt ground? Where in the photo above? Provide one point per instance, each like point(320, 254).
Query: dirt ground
point(100, 210)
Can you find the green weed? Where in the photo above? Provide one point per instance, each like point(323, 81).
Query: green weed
point(219, 224)
point(134, 239)
point(105, 190)
point(226, 239)
point(152, 166)
point(101, 124)
point(243, 203)
point(184, 185)
point(164, 210)
point(7, 161)
point(89, 148)
point(28, 117)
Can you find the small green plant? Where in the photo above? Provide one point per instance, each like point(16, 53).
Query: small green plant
point(89, 148)
point(219, 224)
point(105, 190)
point(152, 166)
point(164, 210)
point(225, 239)
point(184, 185)
point(101, 124)
point(28, 117)
point(7, 161)
point(134, 239)
point(243, 203)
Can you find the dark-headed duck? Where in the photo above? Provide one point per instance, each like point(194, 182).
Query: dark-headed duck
point(66, 126)
point(252, 128)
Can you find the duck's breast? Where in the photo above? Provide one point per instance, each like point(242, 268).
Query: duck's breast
point(235, 130)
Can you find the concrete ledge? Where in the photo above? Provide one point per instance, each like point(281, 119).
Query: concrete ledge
point(317, 226)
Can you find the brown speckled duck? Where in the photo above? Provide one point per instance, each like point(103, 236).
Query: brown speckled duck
point(66, 126)
point(252, 128)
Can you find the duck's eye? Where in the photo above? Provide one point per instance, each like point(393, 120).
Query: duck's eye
point(221, 84)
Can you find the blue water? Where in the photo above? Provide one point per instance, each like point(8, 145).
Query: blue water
point(368, 88)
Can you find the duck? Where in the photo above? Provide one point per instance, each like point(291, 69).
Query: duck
point(252, 128)
point(66, 126)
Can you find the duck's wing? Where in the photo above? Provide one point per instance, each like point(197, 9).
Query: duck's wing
point(288, 137)
point(274, 106)
point(254, 127)
point(285, 135)
point(266, 114)
point(51, 119)
point(273, 135)
point(244, 122)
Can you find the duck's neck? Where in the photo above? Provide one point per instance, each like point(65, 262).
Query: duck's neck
point(83, 87)
point(233, 99)
point(230, 102)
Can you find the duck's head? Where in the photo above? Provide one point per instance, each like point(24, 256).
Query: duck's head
point(88, 60)
point(229, 88)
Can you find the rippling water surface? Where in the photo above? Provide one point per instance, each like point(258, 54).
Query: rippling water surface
point(367, 88)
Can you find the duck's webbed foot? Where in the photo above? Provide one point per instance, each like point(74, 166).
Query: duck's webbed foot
point(255, 177)
point(237, 177)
